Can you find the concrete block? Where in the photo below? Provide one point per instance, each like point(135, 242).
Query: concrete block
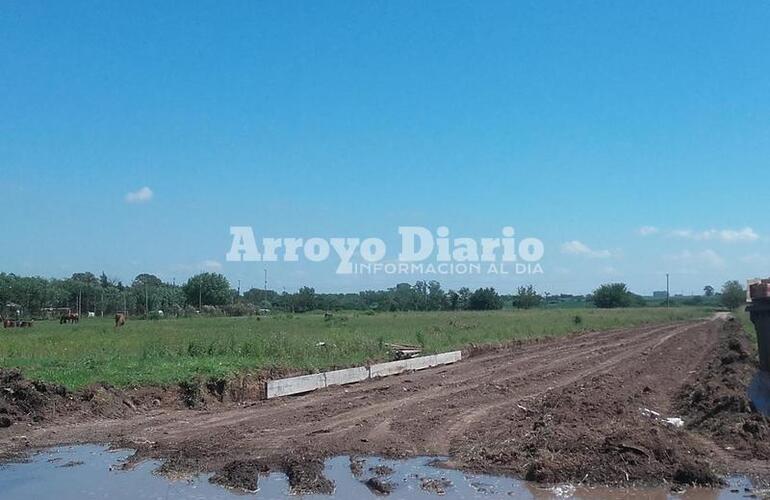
point(348, 376)
point(391, 368)
point(307, 383)
point(418, 363)
point(295, 385)
point(446, 358)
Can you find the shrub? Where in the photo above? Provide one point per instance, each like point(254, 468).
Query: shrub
point(733, 295)
point(485, 299)
point(612, 295)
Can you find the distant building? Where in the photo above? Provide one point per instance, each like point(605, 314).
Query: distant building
point(659, 295)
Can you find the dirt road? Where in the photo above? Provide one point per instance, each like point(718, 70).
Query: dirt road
point(565, 409)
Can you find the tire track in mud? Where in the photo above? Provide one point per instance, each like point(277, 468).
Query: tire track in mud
point(417, 413)
point(541, 361)
point(605, 366)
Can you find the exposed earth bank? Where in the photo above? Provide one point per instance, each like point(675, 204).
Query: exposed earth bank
point(588, 408)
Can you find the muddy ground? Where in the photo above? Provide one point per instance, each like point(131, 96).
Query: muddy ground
point(589, 408)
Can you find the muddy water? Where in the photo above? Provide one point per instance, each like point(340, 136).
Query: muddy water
point(759, 392)
point(84, 472)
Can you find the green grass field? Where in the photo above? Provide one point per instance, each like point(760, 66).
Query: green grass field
point(173, 350)
point(743, 316)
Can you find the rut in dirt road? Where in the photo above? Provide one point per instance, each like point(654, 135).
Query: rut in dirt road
point(461, 392)
point(541, 410)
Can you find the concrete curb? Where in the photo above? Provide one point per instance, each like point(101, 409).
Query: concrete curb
point(349, 376)
point(413, 364)
point(295, 385)
point(307, 383)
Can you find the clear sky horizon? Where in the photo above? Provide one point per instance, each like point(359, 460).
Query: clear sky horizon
point(632, 138)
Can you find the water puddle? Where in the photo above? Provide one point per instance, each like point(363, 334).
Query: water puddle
point(83, 472)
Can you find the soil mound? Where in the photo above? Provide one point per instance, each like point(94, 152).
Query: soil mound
point(24, 400)
point(596, 432)
point(241, 474)
point(306, 476)
point(717, 403)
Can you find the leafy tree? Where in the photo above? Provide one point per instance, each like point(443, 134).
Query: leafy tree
point(85, 278)
point(733, 295)
point(526, 297)
point(151, 294)
point(420, 296)
point(149, 280)
point(167, 298)
point(708, 291)
point(404, 297)
point(453, 300)
point(437, 299)
point(260, 298)
point(380, 300)
point(485, 299)
point(305, 299)
point(463, 297)
point(207, 288)
point(612, 295)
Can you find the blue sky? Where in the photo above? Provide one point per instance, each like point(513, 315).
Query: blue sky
point(575, 122)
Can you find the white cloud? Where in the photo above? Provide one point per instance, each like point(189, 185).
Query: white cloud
point(647, 230)
point(746, 234)
point(575, 247)
point(695, 260)
point(211, 265)
point(141, 195)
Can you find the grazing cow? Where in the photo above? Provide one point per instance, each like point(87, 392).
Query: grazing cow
point(120, 319)
point(9, 323)
point(69, 318)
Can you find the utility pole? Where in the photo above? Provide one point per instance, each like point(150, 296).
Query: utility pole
point(146, 303)
point(200, 296)
point(668, 292)
point(239, 288)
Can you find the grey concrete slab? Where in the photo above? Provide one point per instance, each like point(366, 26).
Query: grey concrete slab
point(390, 368)
point(347, 376)
point(295, 385)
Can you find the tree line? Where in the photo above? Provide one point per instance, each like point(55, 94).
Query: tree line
point(613, 295)
point(211, 293)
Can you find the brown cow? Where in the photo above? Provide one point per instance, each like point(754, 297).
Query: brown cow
point(69, 318)
point(120, 319)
